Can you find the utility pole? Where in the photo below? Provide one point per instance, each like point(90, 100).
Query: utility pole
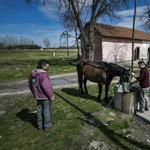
point(67, 44)
point(133, 34)
point(60, 44)
point(66, 35)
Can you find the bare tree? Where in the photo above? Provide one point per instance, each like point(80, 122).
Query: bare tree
point(96, 8)
point(69, 22)
point(3, 41)
point(47, 43)
point(145, 18)
point(118, 52)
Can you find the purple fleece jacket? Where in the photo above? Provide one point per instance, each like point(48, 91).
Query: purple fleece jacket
point(144, 78)
point(39, 84)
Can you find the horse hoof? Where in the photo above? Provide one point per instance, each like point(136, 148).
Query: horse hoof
point(99, 101)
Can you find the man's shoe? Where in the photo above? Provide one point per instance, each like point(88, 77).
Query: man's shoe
point(141, 111)
point(146, 109)
point(53, 126)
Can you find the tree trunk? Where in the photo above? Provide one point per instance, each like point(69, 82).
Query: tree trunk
point(77, 42)
point(90, 52)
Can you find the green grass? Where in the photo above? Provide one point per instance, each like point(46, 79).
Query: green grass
point(77, 121)
point(16, 65)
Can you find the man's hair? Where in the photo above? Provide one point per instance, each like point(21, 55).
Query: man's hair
point(42, 62)
point(141, 62)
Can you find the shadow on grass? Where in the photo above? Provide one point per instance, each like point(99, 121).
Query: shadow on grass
point(76, 107)
point(77, 93)
point(112, 135)
point(25, 116)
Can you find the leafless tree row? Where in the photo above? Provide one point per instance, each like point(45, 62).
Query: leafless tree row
point(10, 42)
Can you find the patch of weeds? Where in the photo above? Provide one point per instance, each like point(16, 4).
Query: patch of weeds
point(128, 132)
point(132, 120)
point(126, 124)
point(118, 125)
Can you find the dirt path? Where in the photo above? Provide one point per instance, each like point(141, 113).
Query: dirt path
point(19, 87)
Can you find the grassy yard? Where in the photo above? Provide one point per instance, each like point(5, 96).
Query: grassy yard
point(78, 124)
point(16, 65)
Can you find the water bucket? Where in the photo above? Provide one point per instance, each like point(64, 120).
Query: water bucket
point(127, 102)
point(126, 86)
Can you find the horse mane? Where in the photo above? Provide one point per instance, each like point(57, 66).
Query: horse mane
point(113, 68)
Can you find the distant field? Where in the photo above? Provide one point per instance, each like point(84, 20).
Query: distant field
point(17, 64)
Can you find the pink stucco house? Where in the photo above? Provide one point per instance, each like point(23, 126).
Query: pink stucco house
point(114, 43)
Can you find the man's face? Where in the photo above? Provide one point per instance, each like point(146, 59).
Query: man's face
point(45, 67)
point(141, 66)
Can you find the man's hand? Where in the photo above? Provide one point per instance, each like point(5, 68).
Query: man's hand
point(132, 74)
point(52, 99)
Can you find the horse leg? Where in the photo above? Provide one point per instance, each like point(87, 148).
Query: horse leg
point(100, 86)
point(80, 80)
point(85, 81)
point(106, 92)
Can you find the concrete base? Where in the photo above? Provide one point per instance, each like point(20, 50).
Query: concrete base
point(126, 102)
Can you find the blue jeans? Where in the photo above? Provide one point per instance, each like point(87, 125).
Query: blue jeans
point(144, 102)
point(44, 114)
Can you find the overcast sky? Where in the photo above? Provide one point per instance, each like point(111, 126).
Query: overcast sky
point(38, 23)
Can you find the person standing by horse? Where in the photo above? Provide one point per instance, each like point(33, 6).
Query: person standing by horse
point(143, 79)
point(39, 84)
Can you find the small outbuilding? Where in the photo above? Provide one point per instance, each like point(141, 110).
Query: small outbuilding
point(114, 43)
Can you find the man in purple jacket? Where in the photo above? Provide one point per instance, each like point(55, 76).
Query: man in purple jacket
point(39, 84)
point(143, 78)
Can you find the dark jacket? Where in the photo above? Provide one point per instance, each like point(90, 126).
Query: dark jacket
point(144, 78)
point(39, 84)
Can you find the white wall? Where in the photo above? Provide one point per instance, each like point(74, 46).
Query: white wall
point(146, 45)
point(122, 48)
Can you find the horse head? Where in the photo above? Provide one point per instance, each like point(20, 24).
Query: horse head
point(125, 75)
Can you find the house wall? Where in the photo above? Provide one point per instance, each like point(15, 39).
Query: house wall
point(146, 45)
point(116, 49)
point(98, 48)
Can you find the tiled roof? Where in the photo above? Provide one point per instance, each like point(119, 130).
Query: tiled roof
point(121, 32)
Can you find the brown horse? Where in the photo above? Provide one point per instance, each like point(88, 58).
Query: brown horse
point(101, 73)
